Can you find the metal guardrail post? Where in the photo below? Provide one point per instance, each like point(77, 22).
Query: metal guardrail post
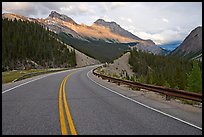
point(168, 98)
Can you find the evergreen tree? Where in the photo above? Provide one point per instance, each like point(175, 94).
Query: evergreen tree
point(194, 79)
point(23, 41)
point(164, 70)
point(149, 76)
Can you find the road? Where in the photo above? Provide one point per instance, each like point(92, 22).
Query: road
point(71, 102)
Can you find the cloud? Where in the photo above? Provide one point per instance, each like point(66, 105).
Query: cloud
point(160, 21)
point(115, 5)
point(17, 7)
point(42, 8)
point(106, 18)
point(83, 8)
point(165, 20)
point(157, 38)
point(28, 9)
point(126, 19)
point(129, 20)
point(162, 37)
point(103, 7)
point(106, 7)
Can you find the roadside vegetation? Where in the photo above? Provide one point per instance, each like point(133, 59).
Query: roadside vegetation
point(15, 75)
point(166, 71)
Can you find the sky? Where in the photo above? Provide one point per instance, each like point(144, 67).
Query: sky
point(162, 22)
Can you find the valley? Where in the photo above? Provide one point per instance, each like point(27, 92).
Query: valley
point(101, 68)
point(107, 42)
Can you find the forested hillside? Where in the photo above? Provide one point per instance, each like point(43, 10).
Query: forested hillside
point(166, 71)
point(28, 45)
point(96, 48)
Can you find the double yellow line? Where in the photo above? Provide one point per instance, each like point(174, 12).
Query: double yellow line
point(61, 110)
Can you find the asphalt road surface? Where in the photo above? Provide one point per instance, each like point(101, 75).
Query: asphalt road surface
point(70, 102)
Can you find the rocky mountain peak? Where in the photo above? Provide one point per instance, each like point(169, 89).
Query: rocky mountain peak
point(115, 28)
point(104, 23)
point(99, 21)
point(63, 17)
point(54, 14)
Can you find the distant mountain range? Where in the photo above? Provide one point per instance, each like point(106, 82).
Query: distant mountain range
point(100, 29)
point(109, 32)
point(106, 41)
point(191, 47)
point(171, 45)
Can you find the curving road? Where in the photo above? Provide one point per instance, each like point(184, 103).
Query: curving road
point(72, 102)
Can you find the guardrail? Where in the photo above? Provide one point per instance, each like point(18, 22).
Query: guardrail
point(164, 90)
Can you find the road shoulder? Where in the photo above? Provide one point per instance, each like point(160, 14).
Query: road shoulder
point(186, 112)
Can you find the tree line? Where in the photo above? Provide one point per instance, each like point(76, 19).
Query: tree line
point(24, 41)
point(166, 71)
point(98, 49)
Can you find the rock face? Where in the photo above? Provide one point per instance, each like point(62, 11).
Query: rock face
point(191, 47)
point(54, 14)
point(151, 49)
point(115, 28)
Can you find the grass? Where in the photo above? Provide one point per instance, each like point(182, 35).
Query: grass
point(10, 76)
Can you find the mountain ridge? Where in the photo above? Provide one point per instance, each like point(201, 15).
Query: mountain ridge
point(113, 31)
point(191, 45)
point(116, 28)
point(63, 17)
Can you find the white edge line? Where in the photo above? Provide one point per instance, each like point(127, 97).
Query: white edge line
point(144, 104)
point(35, 80)
point(41, 78)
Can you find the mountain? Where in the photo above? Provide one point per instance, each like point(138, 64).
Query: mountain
point(29, 45)
point(152, 49)
point(62, 17)
point(191, 47)
point(99, 34)
point(100, 29)
point(171, 45)
point(115, 28)
point(61, 23)
point(12, 16)
point(98, 49)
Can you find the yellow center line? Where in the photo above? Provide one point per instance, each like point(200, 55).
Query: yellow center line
point(61, 112)
point(62, 119)
point(71, 124)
